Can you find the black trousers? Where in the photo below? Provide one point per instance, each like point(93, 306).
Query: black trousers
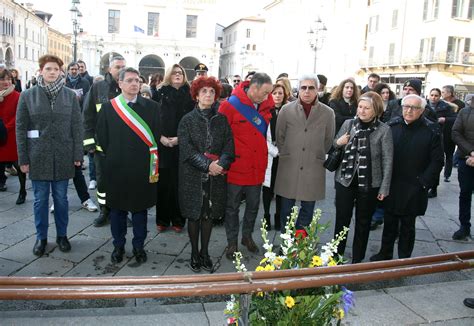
point(21, 175)
point(80, 184)
point(365, 203)
point(99, 160)
point(267, 196)
point(167, 206)
point(403, 227)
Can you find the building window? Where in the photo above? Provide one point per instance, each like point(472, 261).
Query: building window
point(254, 47)
point(26, 52)
point(371, 55)
point(248, 32)
point(114, 21)
point(374, 24)
point(19, 30)
point(395, 18)
point(191, 26)
point(463, 9)
point(26, 32)
point(457, 48)
point(19, 50)
point(248, 47)
point(427, 49)
point(430, 9)
point(153, 23)
point(33, 54)
point(391, 53)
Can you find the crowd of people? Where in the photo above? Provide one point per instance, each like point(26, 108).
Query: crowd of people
point(196, 150)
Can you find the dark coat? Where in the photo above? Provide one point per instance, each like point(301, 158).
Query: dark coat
point(192, 135)
point(52, 154)
point(417, 161)
point(127, 157)
point(100, 93)
point(394, 110)
point(463, 132)
point(88, 77)
point(81, 84)
point(343, 111)
point(445, 110)
point(173, 104)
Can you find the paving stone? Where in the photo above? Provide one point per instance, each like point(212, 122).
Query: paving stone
point(97, 264)
point(215, 312)
point(97, 232)
point(22, 252)
point(441, 228)
point(155, 265)
point(46, 266)
point(454, 246)
point(16, 232)
point(8, 267)
point(168, 244)
point(82, 247)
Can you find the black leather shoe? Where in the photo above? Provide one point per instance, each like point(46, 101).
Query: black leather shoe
point(432, 193)
point(102, 219)
point(40, 247)
point(469, 302)
point(380, 257)
point(250, 244)
point(462, 234)
point(206, 263)
point(375, 224)
point(3, 187)
point(117, 255)
point(140, 255)
point(21, 198)
point(231, 249)
point(63, 244)
point(195, 263)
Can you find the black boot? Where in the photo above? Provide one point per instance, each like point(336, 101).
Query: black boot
point(63, 244)
point(267, 220)
point(21, 198)
point(40, 247)
point(117, 255)
point(432, 193)
point(103, 218)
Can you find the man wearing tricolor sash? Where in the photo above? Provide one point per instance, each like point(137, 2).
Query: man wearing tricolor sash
point(248, 114)
point(127, 129)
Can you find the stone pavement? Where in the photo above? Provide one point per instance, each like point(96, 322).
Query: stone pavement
point(169, 252)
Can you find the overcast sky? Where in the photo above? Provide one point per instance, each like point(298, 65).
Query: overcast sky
point(229, 11)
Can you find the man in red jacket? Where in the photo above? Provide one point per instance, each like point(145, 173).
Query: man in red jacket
point(248, 114)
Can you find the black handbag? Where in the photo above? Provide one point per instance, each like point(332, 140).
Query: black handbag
point(335, 155)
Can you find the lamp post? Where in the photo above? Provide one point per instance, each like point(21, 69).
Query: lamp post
point(317, 34)
point(75, 16)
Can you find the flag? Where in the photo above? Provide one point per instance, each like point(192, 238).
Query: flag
point(138, 29)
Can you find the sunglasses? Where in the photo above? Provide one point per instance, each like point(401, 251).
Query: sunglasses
point(237, 81)
point(304, 88)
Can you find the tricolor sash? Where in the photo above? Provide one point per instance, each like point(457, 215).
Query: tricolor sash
point(141, 128)
point(251, 114)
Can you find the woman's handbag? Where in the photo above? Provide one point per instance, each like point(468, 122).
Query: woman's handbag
point(335, 155)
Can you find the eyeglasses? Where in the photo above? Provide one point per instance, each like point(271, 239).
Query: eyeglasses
point(178, 73)
point(412, 107)
point(237, 81)
point(310, 88)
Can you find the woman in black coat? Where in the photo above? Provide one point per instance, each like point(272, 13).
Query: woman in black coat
point(446, 117)
point(344, 101)
point(174, 100)
point(206, 151)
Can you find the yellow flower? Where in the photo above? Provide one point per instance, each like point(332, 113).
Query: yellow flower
point(277, 261)
point(264, 260)
point(317, 261)
point(339, 313)
point(269, 268)
point(332, 262)
point(289, 301)
point(259, 294)
point(259, 269)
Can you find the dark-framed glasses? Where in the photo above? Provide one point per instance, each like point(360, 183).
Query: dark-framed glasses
point(411, 107)
point(309, 88)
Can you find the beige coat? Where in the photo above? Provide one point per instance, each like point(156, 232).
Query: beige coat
point(303, 144)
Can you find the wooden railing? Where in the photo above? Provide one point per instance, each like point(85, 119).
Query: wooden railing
point(69, 288)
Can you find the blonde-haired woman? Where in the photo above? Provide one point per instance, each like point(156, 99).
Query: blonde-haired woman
point(364, 176)
point(285, 82)
point(174, 99)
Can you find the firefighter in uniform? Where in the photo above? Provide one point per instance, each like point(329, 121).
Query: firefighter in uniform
point(100, 93)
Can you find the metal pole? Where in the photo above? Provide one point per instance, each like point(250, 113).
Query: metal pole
point(75, 42)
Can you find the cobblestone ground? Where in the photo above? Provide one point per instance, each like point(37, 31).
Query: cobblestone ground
point(169, 252)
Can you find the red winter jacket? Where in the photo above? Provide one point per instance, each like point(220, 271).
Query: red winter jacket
point(251, 154)
point(8, 152)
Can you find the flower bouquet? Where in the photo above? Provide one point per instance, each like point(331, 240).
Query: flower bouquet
point(326, 305)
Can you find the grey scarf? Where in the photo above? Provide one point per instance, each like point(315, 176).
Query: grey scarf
point(52, 89)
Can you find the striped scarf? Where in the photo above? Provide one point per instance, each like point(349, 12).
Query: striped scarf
point(52, 89)
point(359, 146)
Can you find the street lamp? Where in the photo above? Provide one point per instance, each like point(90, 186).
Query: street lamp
point(317, 34)
point(75, 16)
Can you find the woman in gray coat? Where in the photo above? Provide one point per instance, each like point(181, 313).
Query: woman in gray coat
point(365, 172)
point(49, 140)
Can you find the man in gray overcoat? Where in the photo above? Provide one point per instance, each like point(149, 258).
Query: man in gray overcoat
point(304, 133)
